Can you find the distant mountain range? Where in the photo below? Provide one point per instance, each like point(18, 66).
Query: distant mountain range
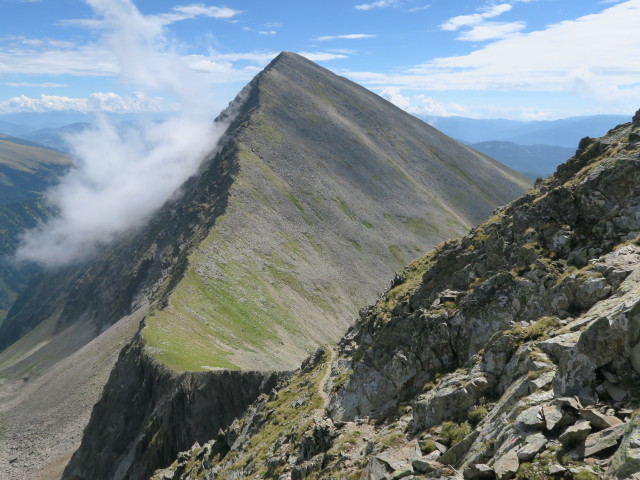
point(534, 148)
point(27, 170)
point(533, 161)
point(565, 132)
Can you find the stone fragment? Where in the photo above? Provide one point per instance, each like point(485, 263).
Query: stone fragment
point(425, 466)
point(610, 377)
point(553, 415)
point(556, 469)
point(596, 442)
point(597, 419)
point(532, 445)
point(617, 393)
point(479, 471)
point(531, 417)
point(507, 465)
point(375, 470)
point(392, 462)
point(398, 474)
point(572, 402)
point(626, 461)
point(575, 434)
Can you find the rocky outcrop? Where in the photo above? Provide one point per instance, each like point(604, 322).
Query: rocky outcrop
point(512, 352)
point(147, 414)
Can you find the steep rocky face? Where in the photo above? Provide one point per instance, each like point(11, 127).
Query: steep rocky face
point(318, 190)
point(165, 413)
point(512, 352)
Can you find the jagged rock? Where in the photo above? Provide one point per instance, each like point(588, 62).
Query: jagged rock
point(591, 291)
point(479, 471)
point(457, 452)
point(393, 463)
point(437, 405)
point(614, 391)
point(507, 465)
point(571, 402)
point(376, 470)
point(532, 445)
point(575, 434)
point(597, 442)
point(556, 469)
point(532, 417)
point(554, 416)
point(626, 460)
point(597, 419)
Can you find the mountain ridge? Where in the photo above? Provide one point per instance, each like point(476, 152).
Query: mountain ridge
point(511, 352)
point(318, 190)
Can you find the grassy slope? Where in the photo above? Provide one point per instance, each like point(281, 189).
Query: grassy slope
point(321, 212)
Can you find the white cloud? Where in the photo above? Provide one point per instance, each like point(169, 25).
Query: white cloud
point(267, 32)
point(120, 178)
point(470, 20)
point(491, 30)
point(378, 4)
point(37, 85)
point(96, 102)
point(322, 56)
point(422, 104)
point(177, 14)
point(423, 7)
point(592, 55)
point(349, 36)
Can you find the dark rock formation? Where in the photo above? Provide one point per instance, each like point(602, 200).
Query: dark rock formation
point(147, 414)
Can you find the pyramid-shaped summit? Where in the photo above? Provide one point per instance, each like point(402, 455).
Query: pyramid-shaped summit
point(316, 194)
point(335, 189)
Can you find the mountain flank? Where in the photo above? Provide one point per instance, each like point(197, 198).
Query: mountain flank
point(513, 352)
point(27, 170)
point(318, 191)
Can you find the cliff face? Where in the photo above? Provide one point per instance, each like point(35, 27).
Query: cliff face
point(512, 352)
point(160, 413)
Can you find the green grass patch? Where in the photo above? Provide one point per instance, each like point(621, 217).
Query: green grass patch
point(397, 254)
point(233, 308)
point(539, 330)
point(453, 433)
point(345, 208)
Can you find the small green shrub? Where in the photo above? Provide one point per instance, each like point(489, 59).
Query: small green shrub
point(453, 433)
point(477, 414)
point(427, 446)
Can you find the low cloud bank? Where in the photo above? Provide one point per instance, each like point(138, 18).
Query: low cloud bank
point(121, 177)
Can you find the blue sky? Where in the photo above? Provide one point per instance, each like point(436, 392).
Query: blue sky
point(521, 59)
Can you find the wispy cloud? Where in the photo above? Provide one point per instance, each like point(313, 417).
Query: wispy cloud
point(177, 14)
point(37, 85)
point(378, 4)
point(491, 30)
point(474, 19)
point(563, 57)
point(120, 178)
point(96, 102)
point(322, 56)
point(423, 7)
point(349, 36)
